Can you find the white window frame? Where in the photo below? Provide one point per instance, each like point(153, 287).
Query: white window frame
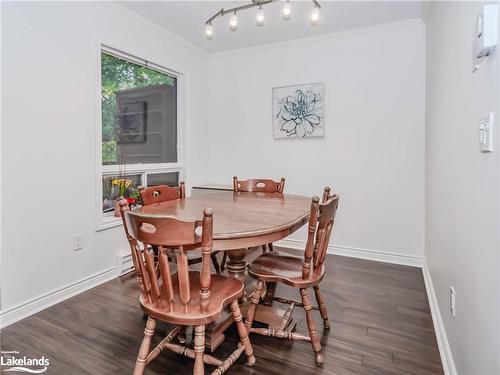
point(104, 221)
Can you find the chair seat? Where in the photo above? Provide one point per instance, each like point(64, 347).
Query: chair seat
point(223, 291)
point(284, 268)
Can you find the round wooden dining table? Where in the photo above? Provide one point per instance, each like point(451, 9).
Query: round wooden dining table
point(241, 219)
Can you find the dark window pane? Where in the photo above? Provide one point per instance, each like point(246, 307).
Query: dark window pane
point(170, 179)
point(114, 187)
point(139, 113)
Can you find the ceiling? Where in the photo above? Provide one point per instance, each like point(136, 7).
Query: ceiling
point(187, 19)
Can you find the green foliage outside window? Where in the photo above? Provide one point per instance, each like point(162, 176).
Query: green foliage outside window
point(117, 75)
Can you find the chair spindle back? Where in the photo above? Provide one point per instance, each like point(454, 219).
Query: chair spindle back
point(321, 220)
point(166, 232)
point(161, 193)
point(259, 185)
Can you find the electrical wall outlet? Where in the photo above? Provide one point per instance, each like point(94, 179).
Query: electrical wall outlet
point(77, 242)
point(453, 299)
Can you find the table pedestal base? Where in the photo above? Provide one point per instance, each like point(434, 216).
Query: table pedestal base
point(236, 263)
point(273, 317)
point(277, 319)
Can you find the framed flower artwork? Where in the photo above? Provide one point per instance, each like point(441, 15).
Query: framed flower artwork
point(298, 111)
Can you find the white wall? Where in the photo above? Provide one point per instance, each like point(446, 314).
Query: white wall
point(463, 188)
point(373, 151)
point(49, 75)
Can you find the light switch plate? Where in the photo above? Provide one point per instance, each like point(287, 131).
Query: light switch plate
point(486, 133)
point(486, 35)
point(453, 302)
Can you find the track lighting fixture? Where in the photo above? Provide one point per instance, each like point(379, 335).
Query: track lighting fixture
point(259, 18)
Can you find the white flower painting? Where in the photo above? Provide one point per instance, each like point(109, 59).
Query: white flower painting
point(298, 111)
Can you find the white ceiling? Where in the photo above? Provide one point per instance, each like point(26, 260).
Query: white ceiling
point(187, 19)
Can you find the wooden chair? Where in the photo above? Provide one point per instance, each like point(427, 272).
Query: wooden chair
point(161, 193)
point(260, 185)
point(298, 272)
point(185, 298)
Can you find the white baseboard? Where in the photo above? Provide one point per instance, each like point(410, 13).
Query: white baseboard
point(124, 265)
point(379, 256)
point(442, 339)
point(25, 309)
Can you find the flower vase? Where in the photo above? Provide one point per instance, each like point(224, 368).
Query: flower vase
point(117, 206)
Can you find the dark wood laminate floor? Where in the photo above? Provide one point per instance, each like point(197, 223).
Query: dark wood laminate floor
point(381, 324)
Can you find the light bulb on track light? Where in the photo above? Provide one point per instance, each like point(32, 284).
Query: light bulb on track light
point(315, 15)
point(233, 22)
point(259, 20)
point(209, 31)
point(287, 10)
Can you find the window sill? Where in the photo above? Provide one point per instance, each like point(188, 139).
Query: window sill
point(109, 222)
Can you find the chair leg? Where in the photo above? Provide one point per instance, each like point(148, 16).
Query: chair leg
point(215, 262)
point(268, 298)
point(322, 307)
point(242, 331)
point(199, 348)
point(257, 293)
point(181, 337)
point(270, 246)
point(313, 333)
point(140, 364)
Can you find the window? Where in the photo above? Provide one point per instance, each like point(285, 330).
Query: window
point(139, 129)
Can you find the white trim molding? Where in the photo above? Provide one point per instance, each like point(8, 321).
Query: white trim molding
point(375, 255)
point(437, 320)
point(30, 307)
point(321, 37)
point(124, 265)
